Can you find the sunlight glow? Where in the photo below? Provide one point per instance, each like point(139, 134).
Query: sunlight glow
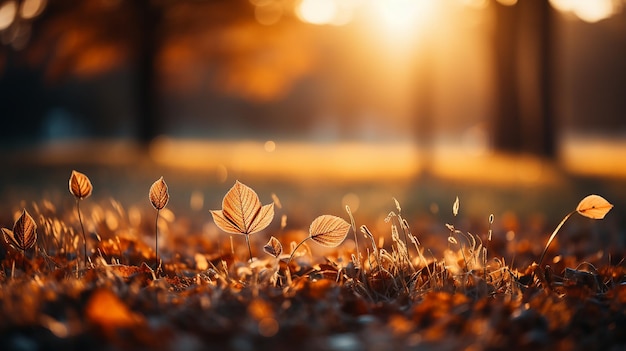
point(317, 11)
point(588, 11)
point(32, 8)
point(7, 14)
point(402, 15)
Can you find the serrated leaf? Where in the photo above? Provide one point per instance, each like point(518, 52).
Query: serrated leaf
point(594, 206)
point(80, 185)
point(273, 247)
point(158, 194)
point(328, 230)
point(24, 231)
point(242, 212)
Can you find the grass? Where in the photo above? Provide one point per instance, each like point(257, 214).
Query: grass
point(388, 291)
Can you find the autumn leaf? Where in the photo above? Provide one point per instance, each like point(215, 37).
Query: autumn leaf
point(273, 247)
point(80, 185)
point(242, 212)
point(24, 233)
point(594, 207)
point(8, 237)
point(158, 194)
point(328, 230)
point(107, 311)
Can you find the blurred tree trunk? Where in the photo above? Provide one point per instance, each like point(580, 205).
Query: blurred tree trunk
point(149, 40)
point(524, 115)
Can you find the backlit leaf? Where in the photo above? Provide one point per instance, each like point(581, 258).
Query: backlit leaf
point(158, 194)
point(328, 230)
point(80, 185)
point(242, 212)
point(24, 231)
point(8, 237)
point(594, 206)
point(273, 247)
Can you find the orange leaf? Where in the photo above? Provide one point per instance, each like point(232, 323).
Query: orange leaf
point(328, 230)
point(80, 185)
point(105, 309)
point(24, 231)
point(242, 212)
point(158, 194)
point(273, 247)
point(594, 207)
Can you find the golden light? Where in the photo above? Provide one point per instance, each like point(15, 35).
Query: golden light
point(32, 8)
point(268, 12)
point(588, 11)
point(7, 14)
point(401, 16)
point(507, 2)
point(318, 12)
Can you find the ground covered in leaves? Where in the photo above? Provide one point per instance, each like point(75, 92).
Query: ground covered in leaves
point(224, 302)
point(201, 291)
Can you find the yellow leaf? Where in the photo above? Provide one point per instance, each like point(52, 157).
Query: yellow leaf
point(24, 231)
point(594, 206)
point(80, 185)
point(328, 230)
point(273, 247)
point(242, 212)
point(158, 194)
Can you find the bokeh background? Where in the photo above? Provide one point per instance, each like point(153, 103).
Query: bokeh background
point(517, 107)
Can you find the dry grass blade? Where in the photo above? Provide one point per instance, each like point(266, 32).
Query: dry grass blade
point(158, 194)
point(80, 185)
point(594, 207)
point(24, 231)
point(273, 247)
point(242, 212)
point(328, 230)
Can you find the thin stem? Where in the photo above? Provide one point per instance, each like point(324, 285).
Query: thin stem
point(552, 237)
point(296, 248)
point(356, 239)
point(156, 241)
point(80, 219)
point(249, 250)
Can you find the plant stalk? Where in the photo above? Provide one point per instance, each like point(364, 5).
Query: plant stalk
point(545, 250)
point(249, 250)
point(156, 241)
point(296, 249)
point(82, 227)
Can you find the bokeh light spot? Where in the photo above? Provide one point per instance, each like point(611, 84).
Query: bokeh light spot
point(7, 14)
point(269, 146)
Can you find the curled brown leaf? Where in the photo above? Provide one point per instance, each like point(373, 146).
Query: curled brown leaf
point(159, 195)
point(273, 247)
point(80, 185)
